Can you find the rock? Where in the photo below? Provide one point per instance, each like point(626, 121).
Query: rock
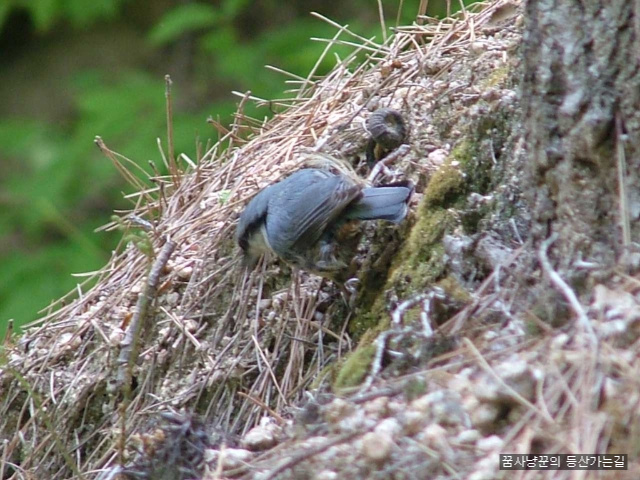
point(233, 457)
point(262, 437)
point(489, 444)
point(326, 475)
point(376, 447)
point(389, 427)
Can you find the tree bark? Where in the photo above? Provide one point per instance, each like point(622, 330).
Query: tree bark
point(580, 100)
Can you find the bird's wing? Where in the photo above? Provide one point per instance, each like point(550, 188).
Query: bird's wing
point(306, 212)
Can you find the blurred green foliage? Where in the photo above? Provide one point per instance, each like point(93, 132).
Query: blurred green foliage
point(45, 13)
point(55, 186)
point(190, 17)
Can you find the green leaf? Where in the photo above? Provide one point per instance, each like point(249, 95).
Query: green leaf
point(181, 20)
point(231, 8)
point(83, 13)
point(223, 196)
point(44, 13)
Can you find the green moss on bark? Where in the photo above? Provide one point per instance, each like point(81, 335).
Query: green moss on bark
point(355, 368)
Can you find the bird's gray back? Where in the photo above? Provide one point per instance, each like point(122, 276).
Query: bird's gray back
point(303, 206)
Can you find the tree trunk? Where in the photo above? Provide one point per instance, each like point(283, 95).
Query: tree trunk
point(580, 100)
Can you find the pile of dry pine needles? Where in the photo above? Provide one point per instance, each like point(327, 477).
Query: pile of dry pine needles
point(173, 323)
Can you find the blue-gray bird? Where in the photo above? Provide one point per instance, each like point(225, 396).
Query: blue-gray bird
point(311, 219)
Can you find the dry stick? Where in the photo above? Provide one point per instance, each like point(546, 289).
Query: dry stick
point(346, 43)
point(173, 170)
point(194, 341)
point(622, 187)
point(263, 406)
point(399, 14)
point(566, 291)
point(332, 42)
point(396, 322)
point(310, 452)
point(391, 158)
point(129, 345)
point(7, 338)
point(3, 461)
point(347, 31)
point(383, 25)
point(231, 170)
point(235, 127)
point(126, 174)
point(164, 161)
point(398, 313)
point(376, 364)
point(422, 9)
point(141, 223)
point(190, 162)
point(270, 372)
point(286, 73)
point(279, 102)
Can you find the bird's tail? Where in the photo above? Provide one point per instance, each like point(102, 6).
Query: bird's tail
point(388, 202)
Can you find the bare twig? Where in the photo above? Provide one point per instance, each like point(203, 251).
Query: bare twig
point(129, 345)
point(561, 285)
point(314, 450)
point(622, 186)
point(396, 322)
point(401, 151)
point(265, 407)
point(116, 159)
point(173, 167)
point(383, 25)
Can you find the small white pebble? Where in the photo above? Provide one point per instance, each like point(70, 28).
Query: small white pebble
point(325, 475)
point(477, 47)
point(375, 447)
point(116, 336)
point(191, 326)
point(232, 458)
point(434, 434)
point(259, 438)
point(172, 298)
point(468, 436)
point(437, 157)
point(264, 303)
point(337, 410)
point(377, 407)
point(484, 414)
point(389, 427)
point(185, 273)
point(488, 444)
point(413, 422)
